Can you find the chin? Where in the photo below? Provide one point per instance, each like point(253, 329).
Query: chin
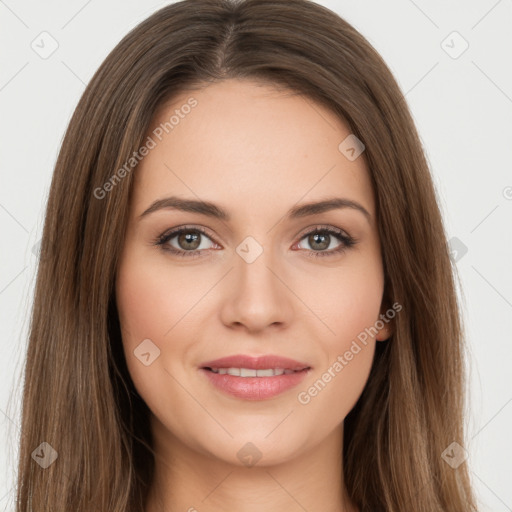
point(255, 449)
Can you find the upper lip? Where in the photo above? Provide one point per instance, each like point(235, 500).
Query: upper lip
point(256, 363)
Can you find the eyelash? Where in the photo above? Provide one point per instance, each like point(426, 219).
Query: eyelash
point(347, 241)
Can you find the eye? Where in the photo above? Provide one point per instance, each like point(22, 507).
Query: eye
point(321, 238)
point(188, 240)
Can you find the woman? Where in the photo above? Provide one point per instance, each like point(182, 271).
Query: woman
point(245, 299)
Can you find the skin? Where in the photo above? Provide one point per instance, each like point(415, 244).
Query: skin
point(255, 151)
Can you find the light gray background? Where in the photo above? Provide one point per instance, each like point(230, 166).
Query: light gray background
point(463, 110)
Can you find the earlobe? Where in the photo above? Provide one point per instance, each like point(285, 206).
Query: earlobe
point(385, 324)
point(385, 333)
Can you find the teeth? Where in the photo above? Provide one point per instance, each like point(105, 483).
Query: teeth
point(250, 372)
point(261, 373)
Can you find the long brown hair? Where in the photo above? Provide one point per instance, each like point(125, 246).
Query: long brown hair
point(78, 395)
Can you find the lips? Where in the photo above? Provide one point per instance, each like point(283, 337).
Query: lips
point(254, 378)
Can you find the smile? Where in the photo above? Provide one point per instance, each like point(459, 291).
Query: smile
point(254, 378)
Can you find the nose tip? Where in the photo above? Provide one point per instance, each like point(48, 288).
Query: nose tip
point(257, 298)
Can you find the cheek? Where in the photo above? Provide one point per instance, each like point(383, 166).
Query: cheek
point(153, 304)
point(142, 305)
point(346, 300)
point(151, 301)
point(348, 305)
point(150, 307)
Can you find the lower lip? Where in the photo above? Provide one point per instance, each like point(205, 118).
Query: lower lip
point(255, 388)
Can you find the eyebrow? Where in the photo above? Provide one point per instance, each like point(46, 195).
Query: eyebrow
point(212, 210)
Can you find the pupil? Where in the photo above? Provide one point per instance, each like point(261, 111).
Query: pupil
point(188, 239)
point(323, 244)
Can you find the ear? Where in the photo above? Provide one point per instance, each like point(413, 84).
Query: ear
point(385, 323)
point(385, 333)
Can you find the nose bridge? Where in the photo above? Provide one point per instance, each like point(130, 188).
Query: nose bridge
point(258, 297)
point(253, 265)
point(256, 268)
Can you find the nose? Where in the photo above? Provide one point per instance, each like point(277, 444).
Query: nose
point(256, 295)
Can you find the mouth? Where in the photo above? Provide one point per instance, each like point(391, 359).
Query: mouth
point(254, 378)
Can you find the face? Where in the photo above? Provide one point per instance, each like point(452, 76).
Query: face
point(265, 280)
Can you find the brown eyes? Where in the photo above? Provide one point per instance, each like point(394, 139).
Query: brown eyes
point(189, 241)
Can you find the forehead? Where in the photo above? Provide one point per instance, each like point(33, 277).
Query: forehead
point(251, 146)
